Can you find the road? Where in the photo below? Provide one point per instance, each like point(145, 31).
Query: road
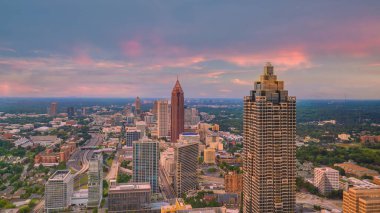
point(112, 174)
point(166, 188)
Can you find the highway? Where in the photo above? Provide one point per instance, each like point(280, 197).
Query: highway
point(112, 174)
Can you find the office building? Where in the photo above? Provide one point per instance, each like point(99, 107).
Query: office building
point(186, 159)
point(209, 156)
point(177, 112)
point(269, 130)
point(162, 118)
point(95, 180)
point(354, 169)
point(70, 112)
point(141, 125)
point(233, 182)
point(53, 109)
point(132, 134)
point(58, 191)
point(138, 106)
point(326, 179)
point(146, 156)
point(361, 200)
point(189, 137)
point(191, 117)
point(128, 196)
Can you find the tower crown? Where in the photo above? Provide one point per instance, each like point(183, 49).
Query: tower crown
point(177, 87)
point(268, 69)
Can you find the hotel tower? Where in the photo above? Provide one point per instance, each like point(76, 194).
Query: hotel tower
point(269, 147)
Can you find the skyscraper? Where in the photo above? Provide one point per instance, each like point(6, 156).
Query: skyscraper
point(162, 118)
point(146, 155)
point(185, 158)
point(58, 191)
point(70, 112)
point(53, 109)
point(177, 112)
point(269, 146)
point(138, 105)
point(95, 180)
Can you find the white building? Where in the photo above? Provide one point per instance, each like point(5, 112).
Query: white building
point(326, 179)
point(163, 118)
point(58, 191)
point(95, 180)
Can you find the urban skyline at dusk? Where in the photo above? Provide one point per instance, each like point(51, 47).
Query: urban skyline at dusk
point(322, 50)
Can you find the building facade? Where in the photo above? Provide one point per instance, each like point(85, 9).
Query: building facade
point(162, 118)
point(209, 156)
point(95, 180)
point(138, 106)
point(53, 109)
point(269, 131)
point(326, 179)
point(177, 112)
point(146, 156)
point(186, 159)
point(128, 196)
point(233, 182)
point(58, 191)
point(361, 200)
point(132, 135)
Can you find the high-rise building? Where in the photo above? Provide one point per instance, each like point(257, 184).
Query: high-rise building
point(191, 117)
point(233, 182)
point(155, 108)
point(146, 156)
point(127, 197)
point(269, 146)
point(185, 158)
point(361, 200)
point(162, 118)
point(132, 135)
point(70, 112)
point(138, 105)
point(95, 180)
point(177, 112)
point(209, 156)
point(53, 109)
point(58, 191)
point(326, 179)
point(141, 125)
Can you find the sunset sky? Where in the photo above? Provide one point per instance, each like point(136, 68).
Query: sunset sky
point(321, 49)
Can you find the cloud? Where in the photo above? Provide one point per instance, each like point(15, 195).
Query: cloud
point(240, 82)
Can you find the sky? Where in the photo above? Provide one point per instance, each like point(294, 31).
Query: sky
point(321, 49)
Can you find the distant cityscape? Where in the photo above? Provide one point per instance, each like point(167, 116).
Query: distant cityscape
point(171, 156)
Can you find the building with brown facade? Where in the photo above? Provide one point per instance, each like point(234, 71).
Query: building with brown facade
point(354, 169)
point(269, 131)
point(177, 112)
point(361, 200)
point(233, 182)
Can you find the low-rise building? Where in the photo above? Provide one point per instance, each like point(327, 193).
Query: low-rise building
point(354, 169)
point(128, 196)
point(209, 156)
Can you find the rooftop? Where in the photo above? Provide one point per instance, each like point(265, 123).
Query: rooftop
point(60, 175)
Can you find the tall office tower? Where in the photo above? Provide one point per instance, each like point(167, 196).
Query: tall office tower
point(58, 191)
point(132, 135)
point(146, 156)
point(155, 108)
point(70, 112)
point(269, 146)
point(53, 109)
point(177, 112)
point(326, 179)
point(95, 180)
point(141, 125)
point(361, 200)
point(162, 118)
point(185, 158)
point(138, 105)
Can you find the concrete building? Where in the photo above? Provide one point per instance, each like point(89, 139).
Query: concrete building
point(128, 196)
point(168, 164)
point(177, 112)
point(95, 180)
point(269, 164)
point(326, 179)
point(354, 169)
point(361, 200)
point(58, 191)
point(132, 134)
point(186, 159)
point(233, 182)
point(70, 112)
point(191, 116)
point(189, 137)
point(141, 125)
point(146, 156)
point(162, 118)
point(53, 109)
point(209, 156)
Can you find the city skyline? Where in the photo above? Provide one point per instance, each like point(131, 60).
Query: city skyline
point(114, 49)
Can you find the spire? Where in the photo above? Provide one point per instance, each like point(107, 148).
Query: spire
point(268, 69)
point(177, 87)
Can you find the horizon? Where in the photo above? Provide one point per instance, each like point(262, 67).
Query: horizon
point(218, 49)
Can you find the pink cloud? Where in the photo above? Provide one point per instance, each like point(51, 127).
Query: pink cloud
point(132, 48)
point(216, 74)
point(83, 58)
point(240, 82)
